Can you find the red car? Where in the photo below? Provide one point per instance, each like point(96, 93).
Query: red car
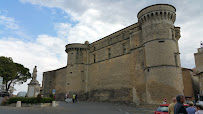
point(163, 109)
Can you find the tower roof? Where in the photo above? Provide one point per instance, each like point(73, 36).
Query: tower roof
point(155, 7)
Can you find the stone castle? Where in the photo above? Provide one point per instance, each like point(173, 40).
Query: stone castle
point(139, 64)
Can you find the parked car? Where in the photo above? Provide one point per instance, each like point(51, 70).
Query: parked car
point(199, 103)
point(163, 109)
point(21, 94)
point(4, 93)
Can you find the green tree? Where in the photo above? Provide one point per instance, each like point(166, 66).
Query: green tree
point(12, 72)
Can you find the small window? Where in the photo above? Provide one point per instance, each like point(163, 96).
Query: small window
point(124, 49)
point(176, 60)
point(172, 33)
point(94, 58)
point(109, 52)
point(71, 72)
point(110, 41)
point(161, 41)
point(67, 83)
point(94, 48)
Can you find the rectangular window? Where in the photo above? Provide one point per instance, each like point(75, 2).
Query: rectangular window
point(124, 49)
point(94, 58)
point(161, 41)
point(176, 59)
point(109, 52)
point(110, 41)
point(82, 76)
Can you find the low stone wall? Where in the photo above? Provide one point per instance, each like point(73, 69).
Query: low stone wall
point(32, 105)
point(112, 95)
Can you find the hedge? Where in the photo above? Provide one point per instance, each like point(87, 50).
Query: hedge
point(32, 100)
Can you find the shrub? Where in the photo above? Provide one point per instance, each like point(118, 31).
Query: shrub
point(51, 96)
point(32, 100)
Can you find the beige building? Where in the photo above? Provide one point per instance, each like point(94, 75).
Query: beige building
point(193, 78)
point(139, 64)
point(199, 68)
point(190, 83)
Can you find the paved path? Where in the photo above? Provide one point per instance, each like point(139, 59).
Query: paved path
point(78, 108)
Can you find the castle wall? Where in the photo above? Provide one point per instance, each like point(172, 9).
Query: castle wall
point(110, 80)
point(139, 79)
point(60, 83)
point(54, 80)
point(48, 83)
point(75, 80)
point(120, 76)
point(139, 63)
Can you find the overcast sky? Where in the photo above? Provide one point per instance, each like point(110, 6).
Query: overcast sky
point(35, 32)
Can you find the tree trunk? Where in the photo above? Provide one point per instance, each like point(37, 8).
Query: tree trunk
point(8, 85)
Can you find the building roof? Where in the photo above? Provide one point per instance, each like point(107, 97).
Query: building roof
point(199, 73)
point(55, 70)
point(183, 69)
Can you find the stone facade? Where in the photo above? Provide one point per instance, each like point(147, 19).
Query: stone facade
point(189, 84)
point(199, 69)
point(139, 63)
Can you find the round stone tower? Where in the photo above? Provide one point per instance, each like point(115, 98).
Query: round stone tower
point(76, 68)
point(75, 53)
point(162, 61)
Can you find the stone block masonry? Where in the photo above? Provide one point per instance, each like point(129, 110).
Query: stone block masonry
point(139, 64)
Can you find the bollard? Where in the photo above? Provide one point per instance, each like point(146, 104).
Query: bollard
point(18, 104)
point(53, 103)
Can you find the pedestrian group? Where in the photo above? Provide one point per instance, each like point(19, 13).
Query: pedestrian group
point(177, 107)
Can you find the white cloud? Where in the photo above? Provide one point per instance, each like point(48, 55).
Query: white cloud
point(100, 18)
point(8, 22)
point(11, 26)
point(47, 53)
point(62, 29)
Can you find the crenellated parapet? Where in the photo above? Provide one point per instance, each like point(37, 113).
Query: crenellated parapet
point(76, 46)
point(158, 12)
point(76, 52)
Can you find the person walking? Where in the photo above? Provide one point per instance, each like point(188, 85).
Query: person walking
point(76, 96)
point(73, 98)
point(191, 109)
point(199, 109)
point(171, 106)
point(179, 107)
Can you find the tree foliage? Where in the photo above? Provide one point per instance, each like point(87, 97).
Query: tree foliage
point(12, 72)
